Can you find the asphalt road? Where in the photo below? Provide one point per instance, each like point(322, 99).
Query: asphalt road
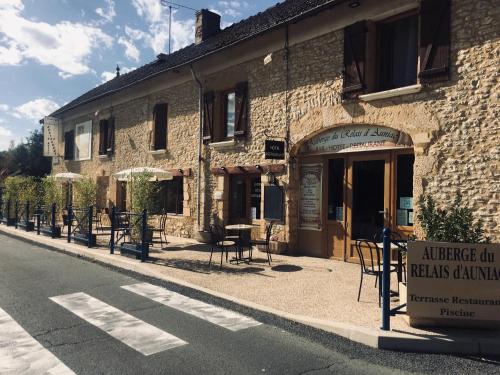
point(31, 275)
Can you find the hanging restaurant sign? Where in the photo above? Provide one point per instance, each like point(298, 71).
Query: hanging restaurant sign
point(275, 149)
point(357, 138)
point(310, 196)
point(50, 136)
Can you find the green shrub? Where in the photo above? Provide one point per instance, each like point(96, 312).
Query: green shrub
point(52, 192)
point(143, 192)
point(85, 193)
point(455, 224)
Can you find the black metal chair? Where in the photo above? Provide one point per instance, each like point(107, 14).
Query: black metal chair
point(218, 241)
point(161, 229)
point(371, 265)
point(265, 242)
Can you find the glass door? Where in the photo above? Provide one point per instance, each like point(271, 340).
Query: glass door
point(368, 198)
point(335, 215)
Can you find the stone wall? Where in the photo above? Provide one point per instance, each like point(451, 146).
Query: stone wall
point(454, 125)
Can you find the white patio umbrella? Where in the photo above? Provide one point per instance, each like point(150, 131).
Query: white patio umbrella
point(67, 176)
point(157, 174)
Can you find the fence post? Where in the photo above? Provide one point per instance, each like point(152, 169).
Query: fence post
point(386, 281)
point(112, 238)
point(9, 206)
point(89, 232)
point(143, 234)
point(1, 209)
point(38, 213)
point(16, 208)
point(27, 217)
point(70, 219)
point(53, 221)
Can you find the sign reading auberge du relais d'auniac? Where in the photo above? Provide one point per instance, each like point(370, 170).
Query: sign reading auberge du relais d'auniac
point(453, 284)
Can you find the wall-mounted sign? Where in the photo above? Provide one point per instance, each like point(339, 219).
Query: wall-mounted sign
point(453, 284)
point(273, 203)
point(310, 196)
point(357, 138)
point(275, 149)
point(51, 126)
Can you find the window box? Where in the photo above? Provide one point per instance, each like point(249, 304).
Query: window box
point(391, 93)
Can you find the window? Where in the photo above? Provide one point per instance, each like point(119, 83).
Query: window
point(336, 189)
point(245, 196)
point(404, 178)
point(159, 136)
point(106, 136)
point(170, 197)
point(394, 53)
point(69, 145)
point(83, 141)
point(255, 198)
point(397, 42)
point(229, 114)
point(225, 114)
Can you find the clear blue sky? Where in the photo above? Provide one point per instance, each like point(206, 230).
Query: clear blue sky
point(52, 51)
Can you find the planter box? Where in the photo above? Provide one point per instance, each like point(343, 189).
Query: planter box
point(133, 249)
point(28, 227)
point(47, 231)
point(203, 236)
point(453, 284)
point(84, 239)
point(275, 247)
point(10, 222)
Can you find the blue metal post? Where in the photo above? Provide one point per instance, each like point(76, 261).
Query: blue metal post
point(53, 221)
point(27, 213)
point(38, 213)
point(16, 212)
point(143, 234)
point(112, 238)
point(89, 234)
point(386, 281)
point(70, 219)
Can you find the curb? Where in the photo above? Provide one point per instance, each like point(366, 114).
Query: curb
point(378, 339)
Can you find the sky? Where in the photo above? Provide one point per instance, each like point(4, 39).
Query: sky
point(52, 51)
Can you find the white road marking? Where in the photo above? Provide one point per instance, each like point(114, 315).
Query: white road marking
point(137, 334)
point(22, 354)
point(216, 315)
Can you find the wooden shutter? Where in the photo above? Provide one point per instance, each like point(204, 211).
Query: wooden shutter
point(160, 127)
point(110, 147)
point(241, 109)
point(434, 51)
point(69, 145)
point(208, 116)
point(103, 136)
point(354, 59)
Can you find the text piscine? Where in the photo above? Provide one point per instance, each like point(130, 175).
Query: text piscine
point(459, 271)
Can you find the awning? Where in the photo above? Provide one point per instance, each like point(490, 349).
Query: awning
point(157, 174)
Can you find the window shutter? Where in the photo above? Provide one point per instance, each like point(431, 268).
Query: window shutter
point(241, 109)
point(208, 118)
point(434, 48)
point(110, 147)
point(69, 145)
point(159, 139)
point(103, 135)
point(354, 59)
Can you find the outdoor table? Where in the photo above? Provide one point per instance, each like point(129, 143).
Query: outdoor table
point(240, 228)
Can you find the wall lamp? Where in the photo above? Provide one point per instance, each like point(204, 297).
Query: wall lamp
point(271, 178)
point(354, 4)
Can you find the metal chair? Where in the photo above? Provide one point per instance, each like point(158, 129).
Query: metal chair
point(266, 242)
point(161, 229)
point(372, 265)
point(218, 241)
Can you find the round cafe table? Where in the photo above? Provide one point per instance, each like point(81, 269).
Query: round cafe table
point(240, 228)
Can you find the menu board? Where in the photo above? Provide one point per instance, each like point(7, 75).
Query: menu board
point(310, 196)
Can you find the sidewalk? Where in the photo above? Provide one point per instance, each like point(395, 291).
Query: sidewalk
point(315, 292)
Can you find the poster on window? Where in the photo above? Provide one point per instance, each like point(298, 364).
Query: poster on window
point(310, 197)
point(83, 140)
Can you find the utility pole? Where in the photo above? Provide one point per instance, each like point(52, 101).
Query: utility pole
point(171, 5)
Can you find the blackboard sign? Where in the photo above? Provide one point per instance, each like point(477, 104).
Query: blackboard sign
point(273, 203)
point(275, 150)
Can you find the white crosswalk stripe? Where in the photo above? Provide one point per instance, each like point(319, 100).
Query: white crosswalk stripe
point(133, 332)
point(216, 315)
point(22, 354)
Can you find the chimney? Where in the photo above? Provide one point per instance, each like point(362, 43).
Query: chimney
point(207, 25)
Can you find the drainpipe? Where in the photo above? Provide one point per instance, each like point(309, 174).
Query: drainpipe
point(287, 88)
point(200, 143)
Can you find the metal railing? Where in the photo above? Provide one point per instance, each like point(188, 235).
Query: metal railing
point(82, 230)
point(132, 227)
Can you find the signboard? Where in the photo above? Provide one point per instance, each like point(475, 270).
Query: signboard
point(275, 150)
point(273, 203)
point(357, 138)
point(310, 196)
point(51, 127)
point(454, 284)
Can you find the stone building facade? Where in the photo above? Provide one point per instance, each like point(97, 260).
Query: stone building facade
point(295, 92)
